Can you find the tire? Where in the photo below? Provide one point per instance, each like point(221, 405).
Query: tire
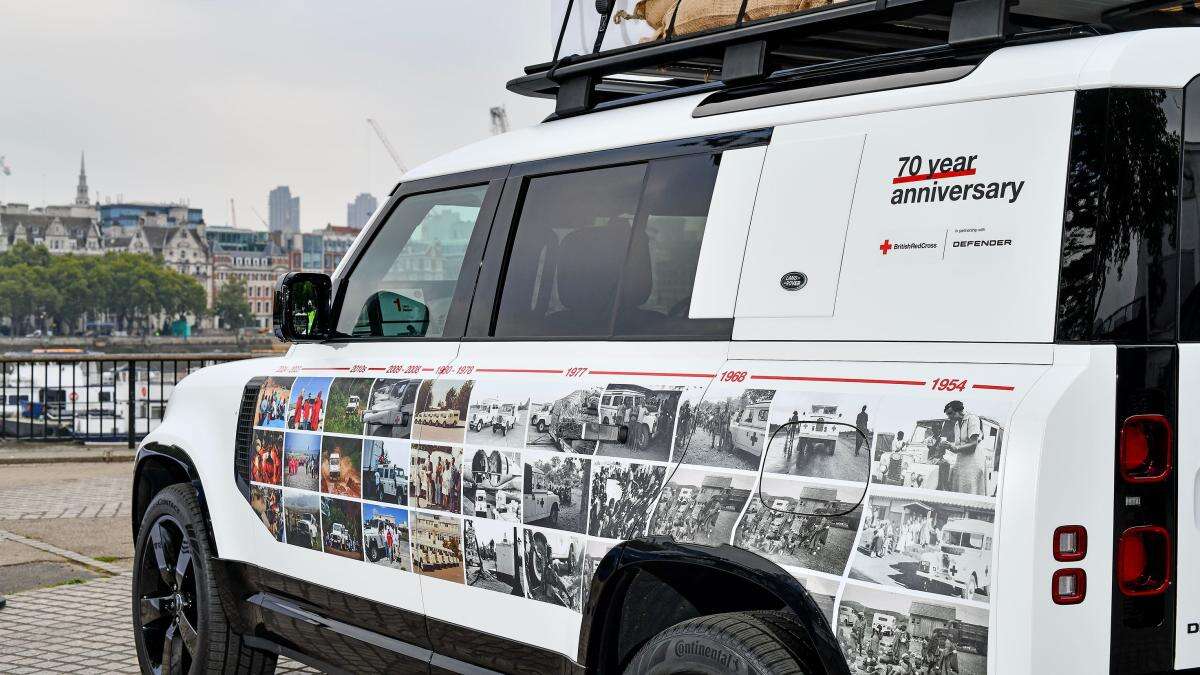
point(372, 552)
point(197, 638)
point(541, 426)
point(756, 643)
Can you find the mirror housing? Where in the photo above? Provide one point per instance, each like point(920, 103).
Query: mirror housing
point(301, 311)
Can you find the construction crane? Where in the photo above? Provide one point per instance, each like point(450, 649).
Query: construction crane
point(264, 220)
point(499, 120)
point(387, 144)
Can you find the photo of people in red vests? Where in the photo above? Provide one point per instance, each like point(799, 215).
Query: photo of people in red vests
point(307, 403)
point(266, 459)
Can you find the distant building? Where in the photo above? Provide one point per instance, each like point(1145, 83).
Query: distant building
point(81, 190)
point(129, 215)
point(284, 210)
point(258, 267)
point(58, 233)
point(359, 211)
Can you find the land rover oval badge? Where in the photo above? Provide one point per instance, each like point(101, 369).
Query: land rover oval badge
point(793, 281)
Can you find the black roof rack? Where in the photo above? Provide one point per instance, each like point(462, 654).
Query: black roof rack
point(852, 36)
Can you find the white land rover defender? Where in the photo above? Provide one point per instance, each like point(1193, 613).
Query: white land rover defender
point(973, 226)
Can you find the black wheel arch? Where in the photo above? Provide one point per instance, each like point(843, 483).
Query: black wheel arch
point(157, 466)
point(644, 586)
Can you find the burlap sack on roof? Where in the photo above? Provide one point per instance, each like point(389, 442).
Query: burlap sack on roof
point(696, 16)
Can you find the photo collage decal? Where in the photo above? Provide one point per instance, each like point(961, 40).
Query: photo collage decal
point(881, 505)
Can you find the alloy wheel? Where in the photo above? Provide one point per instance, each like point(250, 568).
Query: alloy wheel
point(167, 612)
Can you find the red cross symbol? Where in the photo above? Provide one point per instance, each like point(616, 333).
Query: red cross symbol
point(886, 246)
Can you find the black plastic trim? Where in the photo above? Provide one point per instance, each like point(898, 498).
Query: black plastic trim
point(182, 463)
point(614, 570)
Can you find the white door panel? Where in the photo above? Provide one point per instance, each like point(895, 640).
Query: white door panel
point(799, 225)
point(1187, 632)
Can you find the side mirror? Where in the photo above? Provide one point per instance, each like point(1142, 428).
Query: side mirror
point(301, 311)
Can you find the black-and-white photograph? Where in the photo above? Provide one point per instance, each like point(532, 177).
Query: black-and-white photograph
point(821, 435)
point(882, 632)
point(623, 495)
point(498, 414)
point(389, 413)
point(822, 590)
point(492, 484)
point(302, 519)
point(267, 503)
point(441, 411)
point(492, 555)
point(645, 414)
point(554, 568)
point(727, 428)
point(940, 443)
point(801, 525)
point(935, 544)
point(558, 414)
point(592, 555)
point(437, 546)
point(385, 471)
point(436, 477)
point(385, 536)
point(555, 491)
point(701, 507)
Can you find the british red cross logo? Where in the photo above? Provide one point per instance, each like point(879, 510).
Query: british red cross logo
point(886, 246)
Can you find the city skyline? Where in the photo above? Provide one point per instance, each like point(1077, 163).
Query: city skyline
point(284, 101)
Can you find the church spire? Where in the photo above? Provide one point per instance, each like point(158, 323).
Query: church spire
point(81, 192)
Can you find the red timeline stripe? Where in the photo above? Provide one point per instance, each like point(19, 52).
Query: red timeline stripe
point(843, 380)
point(993, 387)
point(640, 373)
point(932, 176)
point(518, 370)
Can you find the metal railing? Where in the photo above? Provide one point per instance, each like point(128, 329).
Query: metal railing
point(91, 397)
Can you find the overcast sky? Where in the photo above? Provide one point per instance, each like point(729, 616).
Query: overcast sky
point(210, 100)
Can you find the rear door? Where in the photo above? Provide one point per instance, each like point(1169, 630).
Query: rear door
point(331, 448)
point(590, 340)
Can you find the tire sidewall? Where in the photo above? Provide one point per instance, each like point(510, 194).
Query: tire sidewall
point(686, 653)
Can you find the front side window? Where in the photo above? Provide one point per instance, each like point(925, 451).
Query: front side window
point(404, 285)
point(610, 252)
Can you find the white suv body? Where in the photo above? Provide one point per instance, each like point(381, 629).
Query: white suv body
point(913, 301)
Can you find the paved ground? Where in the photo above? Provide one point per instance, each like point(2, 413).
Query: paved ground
point(843, 464)
point(65, 552)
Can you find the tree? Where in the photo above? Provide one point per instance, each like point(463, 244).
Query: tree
point(230, 305)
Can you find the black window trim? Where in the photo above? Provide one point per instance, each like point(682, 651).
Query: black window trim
point(456, 319)
point(486, 306)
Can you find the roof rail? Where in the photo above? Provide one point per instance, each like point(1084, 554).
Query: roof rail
point(840, 35)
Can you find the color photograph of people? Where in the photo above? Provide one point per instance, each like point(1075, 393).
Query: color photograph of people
point(341, 527)
point(301, 461)
point(492, 556)
point(385, 536)
point(306, 408)
point(701, 507)
point(498, 414)
point(268, 505)
point(944, 444)
point(646, 415)
point(939, 545)
point(883, 633)
point(437, 546)
point(554, 568)
point(436, 477)
point(385, 471)
point(441, 411)
point(272, 403)
point(492, 484)
point(266, 459)
point(559, 412)
point(800, 525)
point(341, 466)
point(821, 435)
point(622, 496)
point(726, 428)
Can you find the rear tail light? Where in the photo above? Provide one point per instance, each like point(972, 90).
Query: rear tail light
point(1145, 453)
point(1144, 561)
point(1070, 543)
point(1069, 586)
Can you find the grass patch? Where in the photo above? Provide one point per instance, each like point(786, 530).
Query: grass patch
point(75, 581)
point(107, 558)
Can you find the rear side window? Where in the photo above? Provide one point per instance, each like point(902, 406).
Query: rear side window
point(405, 283)
point(610, 252)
